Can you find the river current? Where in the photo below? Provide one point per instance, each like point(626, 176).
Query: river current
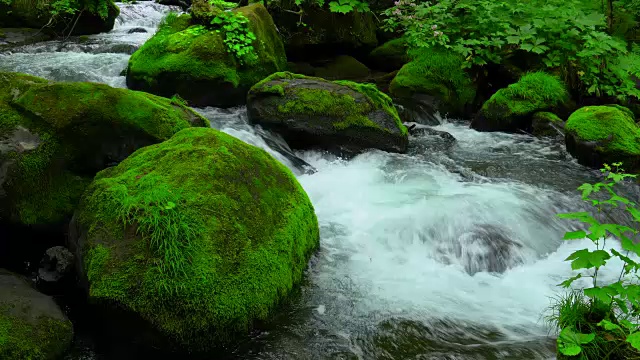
point(435, 254)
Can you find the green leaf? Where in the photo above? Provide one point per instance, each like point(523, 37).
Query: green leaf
point(608, 325)
point(567, 283)
point(602, 294)
point(575, 235)
point(634, 340)
point(569, 341)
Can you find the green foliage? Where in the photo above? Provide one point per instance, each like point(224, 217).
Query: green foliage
point(614, 332)
point(570, 36)
point(238, 38)
point(58, 8)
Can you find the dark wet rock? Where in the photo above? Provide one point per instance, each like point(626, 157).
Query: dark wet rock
point(32, 326)
point(437, 140)
point(14, 37)
point(137, 30)
point(340, 116)
point(487, 248)
point(56, 268)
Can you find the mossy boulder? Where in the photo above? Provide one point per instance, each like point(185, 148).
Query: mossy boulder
point(512, 108)
point(596, 135)
point(546, 124)
point(197, 237)
point(439, 75)
point(342, 67)
point(389, 56)
point(96, 17)
point(32, 326)
point(316, 113)
point(325, 33)
point(54, 137)
point(192, 61)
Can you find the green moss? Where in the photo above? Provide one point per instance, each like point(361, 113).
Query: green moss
point(379, 98)
point(343, 67)
point(21, 337)
point(543, 123)
point(183, 58)
point(533, 92)
point(439, 74)
point(224, 231)
point(72, 121)
point(612, 127)
point(63, 105)
point(391, 55)
point(513, 106)
point(319, 102)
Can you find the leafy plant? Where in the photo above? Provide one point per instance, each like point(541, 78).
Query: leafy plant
point(238, 38)
point(604, 319)
point(568, 36)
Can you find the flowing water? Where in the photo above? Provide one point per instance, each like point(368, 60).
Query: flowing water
point(435, 254)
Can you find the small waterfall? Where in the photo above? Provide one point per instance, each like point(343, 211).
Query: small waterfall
point(97, 58)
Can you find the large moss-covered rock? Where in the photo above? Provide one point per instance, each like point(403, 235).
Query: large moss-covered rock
point(603, 134)
point(325, 33)
point(198, 237)
point(32, 326)
point(437, 74)
point(96, 16)
point(390, 56)
point(315, 113)
point(193, 61)
point(55, 136)
point(511, 108)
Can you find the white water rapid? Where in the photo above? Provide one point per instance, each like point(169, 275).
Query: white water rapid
point(435, 254)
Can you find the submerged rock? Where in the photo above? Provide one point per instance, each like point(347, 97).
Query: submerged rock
point(315, 113)
point(596, 135)
point(437, 140)
point(195, 239)
point(32, 326)
point(439, 75)
point(55, 270)
point(512, 108)
point(546, 124)
point(54, 137)
point(193, 61)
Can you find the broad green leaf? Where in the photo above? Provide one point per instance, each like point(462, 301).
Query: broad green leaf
point(608, 325)
point(634, 340)
point(602, 294)
point(575, 235)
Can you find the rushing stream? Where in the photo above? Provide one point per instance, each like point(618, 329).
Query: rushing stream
point(435, 254)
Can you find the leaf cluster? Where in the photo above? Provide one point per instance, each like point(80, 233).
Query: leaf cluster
point(569, 36)
point(620, 325)
point(238, 38)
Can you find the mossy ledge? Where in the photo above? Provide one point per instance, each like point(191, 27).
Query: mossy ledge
point(313, 112)
point(512, 108)
point(439, 74)
point(54, 137)
point(192, 61)
point(604, 134)
point(199, 236)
